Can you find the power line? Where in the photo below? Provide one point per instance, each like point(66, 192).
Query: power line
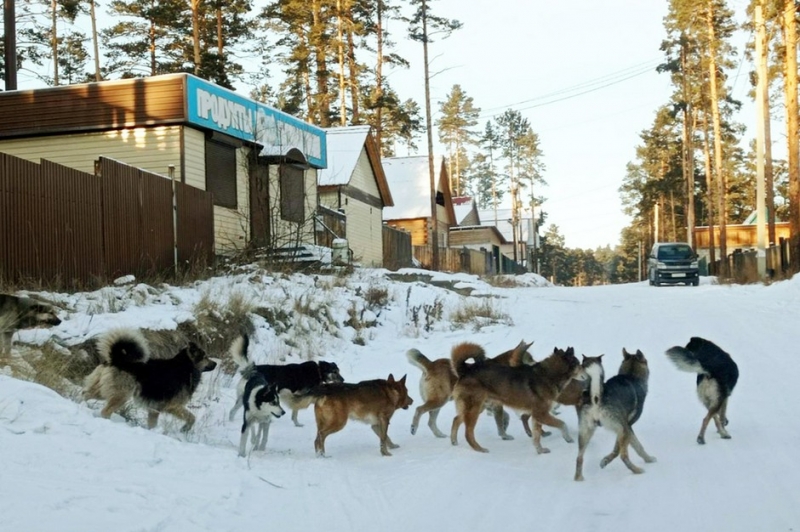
point(578, 89)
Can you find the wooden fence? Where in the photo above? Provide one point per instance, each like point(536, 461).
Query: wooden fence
point(781, 262)
point(67, 228)
point(329, 225)
point(478, 262)
point(396, 249)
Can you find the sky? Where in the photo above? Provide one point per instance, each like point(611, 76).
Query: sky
point(586, 70)
point(582, 72)
point(66, 469)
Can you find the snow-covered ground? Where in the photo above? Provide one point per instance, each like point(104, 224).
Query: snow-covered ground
point(66, 469)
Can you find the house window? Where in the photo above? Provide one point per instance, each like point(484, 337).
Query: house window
point(292, 193)
point(221, 173)
point(439, 198)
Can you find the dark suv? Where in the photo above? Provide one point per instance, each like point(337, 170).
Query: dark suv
point(671, 263)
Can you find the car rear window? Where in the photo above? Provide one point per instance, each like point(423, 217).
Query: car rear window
point(676, 252)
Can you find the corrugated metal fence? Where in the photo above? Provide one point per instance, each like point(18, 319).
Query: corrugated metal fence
point(67, 228)
point(396, 249)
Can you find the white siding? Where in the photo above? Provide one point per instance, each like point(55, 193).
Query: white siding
point(152, 149)
point(365, 233)
point(289, 233)
point(232, 226)
point(363, 178)
point(194, 142)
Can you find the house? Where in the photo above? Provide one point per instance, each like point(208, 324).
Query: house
point(354, 184)
point(409, 181)
point(260, 164)
point(466, 211)
point(501, 219)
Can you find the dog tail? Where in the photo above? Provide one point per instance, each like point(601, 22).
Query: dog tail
point(238, 352)
point(123, 348)
point(418, 359)
point(684, 359)
point(463, 352)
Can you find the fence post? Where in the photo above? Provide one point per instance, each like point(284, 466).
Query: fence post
point(171, 169)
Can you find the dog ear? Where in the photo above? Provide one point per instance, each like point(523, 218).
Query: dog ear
point(601, 357)
point(625, 352)
point(403, 380)
point(391, 378)
point(639, 353)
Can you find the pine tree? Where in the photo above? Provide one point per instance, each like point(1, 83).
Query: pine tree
point(458, 115)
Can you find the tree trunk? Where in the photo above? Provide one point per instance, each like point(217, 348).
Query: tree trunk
point(220, 39)
point(355, 95)
point(54, 40)
point(379, 79)
point(95, 44)
point(721, 180)
point(322, 97)
point(429, 128)
point(340, 49)
point(688, 149)
point(790, 95)
point(152, 46)
point(712, 252)
point(196, 34)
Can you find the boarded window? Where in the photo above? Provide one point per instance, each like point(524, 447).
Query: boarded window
point(221, 173)
point(292, 193)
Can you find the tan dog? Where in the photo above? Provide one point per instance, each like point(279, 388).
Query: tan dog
point(373, 402)
point(530, 389)
point(438, 380)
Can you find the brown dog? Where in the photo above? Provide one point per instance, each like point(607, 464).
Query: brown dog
point(438, 380)
point(530, 389)
point(373, 402)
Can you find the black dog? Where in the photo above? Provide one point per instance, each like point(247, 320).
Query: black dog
point(288, 379)
point(717, 374)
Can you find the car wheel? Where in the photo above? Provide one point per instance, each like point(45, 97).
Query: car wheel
point(696, 282)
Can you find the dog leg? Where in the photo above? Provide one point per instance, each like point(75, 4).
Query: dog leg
point(639, 448)
point(610, 457)
point(432, 417)
point(723, 413)
point(470, 420)
point(537, 439)
point(381, 429)
point(181, 412)
point(427, 406)
point(623, 453)
point(235, 408)
point(294, 418)
point(501, 419)
point(264, 429)
point(457, 421)
point(721, 427)
point(548, 419)
point(243, 440)
point(152, 419)
point(114, 403)
point(712, 413)
point(585, 432)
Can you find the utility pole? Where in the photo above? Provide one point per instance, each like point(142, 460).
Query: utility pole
point(10, 44)
point(761, 89)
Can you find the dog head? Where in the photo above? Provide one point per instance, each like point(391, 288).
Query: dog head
point(568, 363)
point(32, 313)
point(199, 357)
point(329, 372)
point(267, 399)
point(402, 400)
point(634, 365)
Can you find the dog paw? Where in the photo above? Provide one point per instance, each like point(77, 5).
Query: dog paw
point(507, 437)
point(650, 459)
point(578, 478)
point(725, 436)
point(543, 450)
point(439, 434)
point(701, 440)
point(414, 430)
point(568, 439)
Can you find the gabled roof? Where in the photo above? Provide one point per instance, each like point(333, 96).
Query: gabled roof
point(504, 223)
point(344, 148)
point(462, 206)
point(409, 180)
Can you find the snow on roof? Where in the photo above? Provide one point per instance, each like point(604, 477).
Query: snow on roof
point(504, 223)
point(410, 184)
point(345, 145)
point(462, 206)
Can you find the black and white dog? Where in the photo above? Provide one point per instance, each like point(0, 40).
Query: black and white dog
point(717, 374)
point(288, 379)
point(261, 404)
